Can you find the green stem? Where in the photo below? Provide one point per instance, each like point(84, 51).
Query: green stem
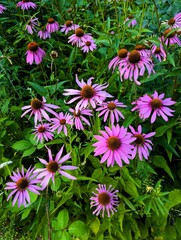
point(47, 214)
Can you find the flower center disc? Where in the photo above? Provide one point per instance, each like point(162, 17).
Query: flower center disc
point(156, 103)
point(62, 121)
point(104, 198)
point(77, 114)
point(111, 106)
point(87, 92)
point(139, 47)
point(79, 32)
point(122, 53)
point(171, 21)
point(36, 104)
point(130, 16)
point(51, 20)
point(167, 32)
point(32, 46)
point(157, 51)
point(113, 143)
point(25, 0)
point(41, 129)
point(88, 43)
point(68, 23)
point(139, 139)
point(22, 184)
point(52, 166)
point(134, 56)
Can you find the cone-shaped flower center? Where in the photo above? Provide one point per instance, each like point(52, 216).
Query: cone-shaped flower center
point(25, 0)
point(79, 32)
point(62, 121)
point(167, 31)
point(88, 43)
point(104, 198)
point(54, 54)
point(171, 21)
point(156, 103)
point(139, 139)
point(157, 50)
point(139, 47)
point(33, 46)
point(134, 56)
point(22, 184)
point(113, 143)
point(111, 105)
point(130, 16)
point(51, 20)
point(87, 92)
point(68, 23)
point(122, 53)
point(41, 129)
point(52, 166)
point(77, 114)
point(36, 104)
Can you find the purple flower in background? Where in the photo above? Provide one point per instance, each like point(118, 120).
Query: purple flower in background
point(132, 21)
point(154, 105)
point(158, 52)
point(68, 26)
point(174, 22)
point(61, 121)
point(26, 4)
point(79, 37)
point(44, 34)
point(52, 25)
point(38, 108)
point(2, 8)
point(89, 94)
point(142, 50)
point(32, 23)
point(134, 65)
point(142, 143)
point(122, 53)
point(43, 131)
point(170, 37)
point(34, 53)
point(114, 145)
point(104, 200)
point(88, 46)
point(53, 166)
point(78, 117)
point(22, 182)
point(110, 108)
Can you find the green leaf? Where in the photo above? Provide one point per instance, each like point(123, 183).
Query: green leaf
point(39, 89)
point(63, 218)
point(25, 213)
point(66, 236)
point(174, 197)
point(78, 228)
point(29, 151)
point(21, 145)
point(95, 225)
point(131, 189)
point(56, 185)
point(161, 130)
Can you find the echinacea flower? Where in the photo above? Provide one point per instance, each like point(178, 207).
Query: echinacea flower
point(114, 145)
point(22, 182)
point(38, 108)
point(122, 53)
point(142, 144)
point(68, 26)
point(34, 53)
point(170, 37)
point(32, 23)
point(54, 166)
point(79, 37)
point(88, 46)
point(61, 122)
point(110, 108)
point(43, 132)
point(131, 21)
point(142, 50)
point(44, 34)
point(26, 4)
point(104, 200)
point(158, 52)
point(52, 25)
point(174, 22)
point(2, 8)
point(154, 105)
point(134, 65)
point(89, 94)
point(78, 117)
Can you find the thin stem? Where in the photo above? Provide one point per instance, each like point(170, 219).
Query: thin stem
point(47, 213)
point(157, 15)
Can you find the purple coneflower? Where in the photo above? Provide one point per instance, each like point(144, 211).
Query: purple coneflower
point(158, 52)
point(79, 37)
point(89, 94)
point(174, 22)
point(104, 200)
point(142, 50)
point(54, 166)
point(154, 105)
point(170, 38)
point(78, 117)
point(88, 46)
point(61, 121)
point(122, 53)
point(38, 108)
point(43, 131)
point(34, 53)
point(32, 23)
point(22, 182)
point(110, 108)
point(26, 4)
point(52, 25)
point(2, 8)
point(132, 21)
point(134, 65)
point(68, 26)
point(142, 143)
point(44, 34)
point(114, 145)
